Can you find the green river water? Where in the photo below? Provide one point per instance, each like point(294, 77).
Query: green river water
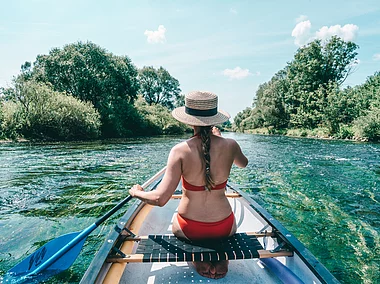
point(325, 192)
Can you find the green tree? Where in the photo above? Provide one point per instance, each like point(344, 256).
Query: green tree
point(243, 119)
point(90, 73)
point(158, 87)
point(271, 101)
point(313, 68)
point(180, 101)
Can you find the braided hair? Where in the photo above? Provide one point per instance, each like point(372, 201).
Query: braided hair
point(205, 134)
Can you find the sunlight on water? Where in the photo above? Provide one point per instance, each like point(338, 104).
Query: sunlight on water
point(325, 192)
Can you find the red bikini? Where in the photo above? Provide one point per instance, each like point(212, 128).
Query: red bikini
point(189, 186)
point(195, 230)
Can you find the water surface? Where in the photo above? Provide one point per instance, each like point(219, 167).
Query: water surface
point(325, 192)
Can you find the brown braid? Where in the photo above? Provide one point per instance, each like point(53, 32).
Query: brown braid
point(205, 133)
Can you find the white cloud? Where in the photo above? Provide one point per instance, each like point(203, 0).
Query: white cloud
point(376, 56)
point(301, 18)
point(347, 32)
point(156, 36)
point(233, 11)
point(236, 73)
point(301, 32)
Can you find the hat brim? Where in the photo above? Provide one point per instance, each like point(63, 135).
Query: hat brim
point(180, 114)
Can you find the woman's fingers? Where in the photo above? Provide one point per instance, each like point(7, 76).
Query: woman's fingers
point(134, 188)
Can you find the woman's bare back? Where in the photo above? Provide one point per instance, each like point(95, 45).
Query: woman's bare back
point(207, 206)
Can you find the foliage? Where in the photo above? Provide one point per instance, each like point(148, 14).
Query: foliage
point(38, 112)
point(180, 101)
point(243, 121)
point(90, 73)
point(11, 121)
point(345, 132)
point(368, 126)
point(271, 102)
point(309, 75)
point(158, 120)
point(307, 95)
point(158, 87)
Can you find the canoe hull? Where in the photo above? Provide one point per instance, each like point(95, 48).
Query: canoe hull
point(143, 219)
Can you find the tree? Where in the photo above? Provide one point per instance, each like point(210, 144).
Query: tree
point(90, 73)
point(313, 68)
point(158, 86)
point(340, 59)
point(271, 101)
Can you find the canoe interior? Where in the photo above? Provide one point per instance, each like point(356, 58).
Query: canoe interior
point(144, 219)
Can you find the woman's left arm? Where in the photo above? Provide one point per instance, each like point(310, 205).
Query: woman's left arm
point(162, 194)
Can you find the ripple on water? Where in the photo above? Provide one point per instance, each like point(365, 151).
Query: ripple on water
point(324, 192)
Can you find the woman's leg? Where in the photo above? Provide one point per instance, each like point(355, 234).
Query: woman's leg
point(221, 267)
point(204, 268)
point(177, 230)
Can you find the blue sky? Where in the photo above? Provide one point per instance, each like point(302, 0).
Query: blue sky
point(227, 47)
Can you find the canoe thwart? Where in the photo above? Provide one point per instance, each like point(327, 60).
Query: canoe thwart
point(256, 234)
point(168, 248)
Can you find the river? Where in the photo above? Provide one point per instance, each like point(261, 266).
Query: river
point(325, 192)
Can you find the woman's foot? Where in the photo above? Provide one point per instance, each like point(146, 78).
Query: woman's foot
point(205, 269)
point(221, 268)
point(214, 270)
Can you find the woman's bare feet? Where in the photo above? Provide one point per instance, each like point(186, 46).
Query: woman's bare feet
point(221, 268)
point(205, 269)
point(214, 270)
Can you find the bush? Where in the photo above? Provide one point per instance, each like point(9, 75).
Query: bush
point(40, 113)
point(345, 132)
point(158, 119)
point(11, 120)
point(368, 126)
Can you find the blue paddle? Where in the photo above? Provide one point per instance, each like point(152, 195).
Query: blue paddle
point(60, 253)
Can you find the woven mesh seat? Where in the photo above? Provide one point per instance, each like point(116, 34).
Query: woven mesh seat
point(168, 248)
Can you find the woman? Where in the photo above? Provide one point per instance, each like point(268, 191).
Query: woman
point(203, 162)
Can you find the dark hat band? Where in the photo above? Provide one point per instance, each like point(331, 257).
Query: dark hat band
point(201, 112)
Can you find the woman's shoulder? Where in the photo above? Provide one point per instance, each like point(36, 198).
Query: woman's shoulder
point(225, 141)
point(181, 147)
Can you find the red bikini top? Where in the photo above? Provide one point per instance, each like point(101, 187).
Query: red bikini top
point(191, 187)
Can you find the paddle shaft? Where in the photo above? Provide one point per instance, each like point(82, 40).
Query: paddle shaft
point(88, 230)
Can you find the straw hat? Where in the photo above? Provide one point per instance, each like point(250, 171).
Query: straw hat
point(201, 109)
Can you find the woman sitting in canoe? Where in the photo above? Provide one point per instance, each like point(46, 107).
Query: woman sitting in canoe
point(203, 162)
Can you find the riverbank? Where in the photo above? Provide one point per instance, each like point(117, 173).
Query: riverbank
point(318, 133)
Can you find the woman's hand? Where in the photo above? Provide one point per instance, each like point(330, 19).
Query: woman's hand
point(215, 131)
point(134, 189)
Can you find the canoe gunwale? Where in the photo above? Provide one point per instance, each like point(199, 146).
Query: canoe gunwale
point(113, 237)
point(319, 270)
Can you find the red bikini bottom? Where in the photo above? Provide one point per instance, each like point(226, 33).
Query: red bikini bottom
point(194, 230)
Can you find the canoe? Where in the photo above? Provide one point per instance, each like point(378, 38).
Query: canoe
point(141, 248)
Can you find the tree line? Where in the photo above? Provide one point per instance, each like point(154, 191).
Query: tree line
point(306, 97)
point(82, 91)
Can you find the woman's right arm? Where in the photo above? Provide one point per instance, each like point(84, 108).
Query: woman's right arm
point(240, 159)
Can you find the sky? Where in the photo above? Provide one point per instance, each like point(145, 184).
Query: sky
point(225, 47)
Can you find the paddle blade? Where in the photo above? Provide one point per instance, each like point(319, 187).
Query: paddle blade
point(19, 273)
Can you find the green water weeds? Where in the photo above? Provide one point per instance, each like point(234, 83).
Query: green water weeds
point(325, 192)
